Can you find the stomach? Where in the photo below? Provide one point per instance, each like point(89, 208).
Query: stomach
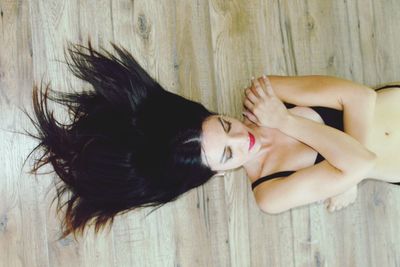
point(384, 138)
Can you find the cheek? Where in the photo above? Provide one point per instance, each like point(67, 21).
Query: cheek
point(237, 162)
point(215, 158)
point(242, 160)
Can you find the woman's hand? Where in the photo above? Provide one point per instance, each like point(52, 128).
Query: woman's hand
point(263, 107)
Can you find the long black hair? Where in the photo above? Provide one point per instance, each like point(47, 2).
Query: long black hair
point(130, 142)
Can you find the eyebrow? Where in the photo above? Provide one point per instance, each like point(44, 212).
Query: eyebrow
point(223, 154)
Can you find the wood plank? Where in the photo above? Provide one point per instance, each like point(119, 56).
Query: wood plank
point(23, 231)
point(206, 51)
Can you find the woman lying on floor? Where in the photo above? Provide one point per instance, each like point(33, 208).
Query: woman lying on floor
point(301, 154)
point(132, 144)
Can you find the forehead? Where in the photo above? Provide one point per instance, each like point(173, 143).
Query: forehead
point(212, 141)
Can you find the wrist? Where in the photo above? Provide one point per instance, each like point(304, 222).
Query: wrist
point(286, 123)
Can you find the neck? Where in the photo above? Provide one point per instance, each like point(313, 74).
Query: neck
point(268, 139)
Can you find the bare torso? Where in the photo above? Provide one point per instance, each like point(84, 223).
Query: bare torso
point(383, 140)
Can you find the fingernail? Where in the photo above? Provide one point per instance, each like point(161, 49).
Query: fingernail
point(252, 77)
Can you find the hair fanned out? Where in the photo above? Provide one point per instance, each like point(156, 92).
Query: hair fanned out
point(130, 143)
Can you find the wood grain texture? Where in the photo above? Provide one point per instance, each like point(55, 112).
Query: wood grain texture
point(206, 51)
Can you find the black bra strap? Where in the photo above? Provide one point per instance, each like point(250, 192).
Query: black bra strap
point(268, 177)
point(388, 86)
point(281, 174)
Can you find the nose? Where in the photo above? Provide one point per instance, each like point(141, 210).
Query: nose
point(239, 138)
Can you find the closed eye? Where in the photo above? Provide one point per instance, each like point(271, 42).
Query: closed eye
point(229, 125)
point(229, 149)
point(230, 154)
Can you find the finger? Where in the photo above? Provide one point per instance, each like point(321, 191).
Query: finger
point(258, 86)
point(261, 80)
point(260, 91)
point(250, 116)
point(254, 90)
point(251, 88)
point(249, 105)
point(255, 83)
point(250, 95)
point(268, 86)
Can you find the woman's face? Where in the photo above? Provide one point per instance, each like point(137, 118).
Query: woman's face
point(226, 142)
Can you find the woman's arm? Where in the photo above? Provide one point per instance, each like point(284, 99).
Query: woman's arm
point(316, 90)
point(358, 114)
point(305, 186)
point(356, 100)
point(347, 163)
point(341, 150)
point(347, 160)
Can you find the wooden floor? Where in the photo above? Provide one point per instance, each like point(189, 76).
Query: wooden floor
point(207, 51)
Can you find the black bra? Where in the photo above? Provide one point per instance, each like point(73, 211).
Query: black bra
point(331, 117)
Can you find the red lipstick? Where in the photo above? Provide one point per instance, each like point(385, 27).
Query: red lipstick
point(252, 140)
